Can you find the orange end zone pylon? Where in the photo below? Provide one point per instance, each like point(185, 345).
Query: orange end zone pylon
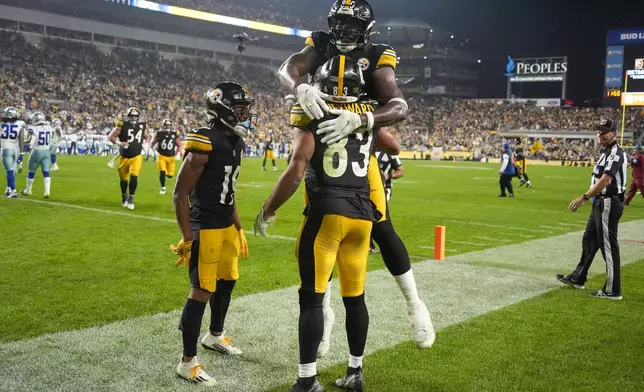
point(439, 242)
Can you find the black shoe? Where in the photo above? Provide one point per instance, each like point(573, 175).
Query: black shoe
point(603, 295)
point(529, 185)
point(502, 195)
point(352, 382)
point(511, 196)
point(522, 183)
point(567, 280)
point(300, 387)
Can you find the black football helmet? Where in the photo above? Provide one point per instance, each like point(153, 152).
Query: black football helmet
point(350, 24)
point(167, 124)
point(339, 80)
point(229, 103)
point(133, 114)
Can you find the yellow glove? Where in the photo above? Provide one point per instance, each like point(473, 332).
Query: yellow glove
point(183, 251)
point(243, 244)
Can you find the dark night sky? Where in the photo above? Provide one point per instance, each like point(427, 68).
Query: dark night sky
point(538, 28)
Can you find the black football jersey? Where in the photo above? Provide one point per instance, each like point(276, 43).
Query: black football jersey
point(336, 179)
point(211, 202)
point(519, 154)
point(132, 133)
point(369, 57)
point(268, 146)
point(166, 143)
point(387, 164)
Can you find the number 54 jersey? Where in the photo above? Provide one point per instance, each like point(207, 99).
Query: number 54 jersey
point(212, 200)
point(336, 178)
point(132, 133)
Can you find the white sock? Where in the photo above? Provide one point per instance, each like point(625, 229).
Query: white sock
point(407, 285)
point(30, 183)
point(307, 370)
point(47, 185)
point(355, 362)
point(326, 301)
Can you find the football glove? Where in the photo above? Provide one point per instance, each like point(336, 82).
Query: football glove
point(261, 225)
point(340, 127)
point(243, 244)
point(311, 102)
point(182, 249)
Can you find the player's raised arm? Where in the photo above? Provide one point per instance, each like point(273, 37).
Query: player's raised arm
point(290, 73)
point(394, 109)
point(187, 179)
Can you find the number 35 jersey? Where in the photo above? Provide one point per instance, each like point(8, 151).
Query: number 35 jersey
point(336, 178)
point(212, 200)
point(132, 133)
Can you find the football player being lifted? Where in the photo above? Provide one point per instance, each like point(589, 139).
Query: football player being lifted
point(167, 141)
point(206, 211)
point(129, 135)
point(339, 218)
point(12, 138)
point(350, 25)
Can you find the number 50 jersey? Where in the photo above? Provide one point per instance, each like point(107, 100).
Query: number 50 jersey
point(212, 200)
point(132, 133)
point(336, 178)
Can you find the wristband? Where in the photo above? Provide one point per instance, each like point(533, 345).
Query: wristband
point(585, 197)
point(370, 120)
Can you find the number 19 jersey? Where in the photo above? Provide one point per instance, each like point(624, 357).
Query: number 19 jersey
point(133, 134)
point(336, 178)
point(212, 200)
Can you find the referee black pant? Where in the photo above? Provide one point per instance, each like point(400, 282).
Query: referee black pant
point(601, 233)
point(506, 183)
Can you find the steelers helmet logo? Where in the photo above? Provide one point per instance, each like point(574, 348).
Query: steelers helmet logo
point(217, 93)
point(364, 64)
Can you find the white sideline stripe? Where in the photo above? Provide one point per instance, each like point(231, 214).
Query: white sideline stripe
point(456, 167)
point(524, 235)
point(141, 353)
point(467, 243)
point(489, 225)
point(129, 215)
point(578, 225)
point(432, 248)
point(552, 227)
point(503, 240)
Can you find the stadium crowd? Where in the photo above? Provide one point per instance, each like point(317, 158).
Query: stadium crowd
point(89, 89)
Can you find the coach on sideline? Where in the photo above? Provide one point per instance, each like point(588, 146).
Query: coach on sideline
point(607, 194)
point(507, 171)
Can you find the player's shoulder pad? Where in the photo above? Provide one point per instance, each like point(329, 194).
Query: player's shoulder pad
point(298, 117)
point(198, 140)
point(318, 40)
point(384, 55)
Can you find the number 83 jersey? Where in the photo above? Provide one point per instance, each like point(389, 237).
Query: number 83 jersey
point(336, 178)
point(212, 200)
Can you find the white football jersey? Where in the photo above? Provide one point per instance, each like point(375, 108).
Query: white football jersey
point(10, 132)
point(42, 136)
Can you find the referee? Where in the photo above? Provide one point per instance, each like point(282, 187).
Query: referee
point(608, 184)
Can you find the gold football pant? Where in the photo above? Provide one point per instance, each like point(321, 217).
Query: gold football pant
point(214, 256)
point(166, 164)
point(269, 155)
point(129, 167)
point(326, 240)
point(377, 188)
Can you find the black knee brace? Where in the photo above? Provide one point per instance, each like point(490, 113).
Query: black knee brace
point(393, 250)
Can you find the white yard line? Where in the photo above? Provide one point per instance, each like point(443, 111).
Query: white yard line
point(494, 240)
point(576, 225)
point(552, 227)
point(467, 243)
point(141, 353)
point(455, 167)
point(432, 248)
point(126, 214)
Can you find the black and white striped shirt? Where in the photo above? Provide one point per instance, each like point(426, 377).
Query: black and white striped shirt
point(388, 163)
point(612, 161)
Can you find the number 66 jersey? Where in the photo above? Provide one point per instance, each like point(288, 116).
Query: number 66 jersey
point(336, 178)
point(212, 200)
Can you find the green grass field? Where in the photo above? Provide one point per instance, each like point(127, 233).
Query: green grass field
point(78, 272)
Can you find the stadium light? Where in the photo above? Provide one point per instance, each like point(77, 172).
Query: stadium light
point(452, 37)
point(425, 57)
point(479, 61)
point(431, 30)
point(209, 17)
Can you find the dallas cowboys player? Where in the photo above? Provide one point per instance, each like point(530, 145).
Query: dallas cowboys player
point(12, 136)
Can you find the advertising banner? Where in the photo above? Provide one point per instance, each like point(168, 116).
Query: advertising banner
point(625, 37)
point(614, 66)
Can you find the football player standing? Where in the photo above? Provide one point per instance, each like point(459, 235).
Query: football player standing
point(206, 211)
point(350, 25)
point(12, 137)
point(129, 135)
point(166, 141)
point(41, 135)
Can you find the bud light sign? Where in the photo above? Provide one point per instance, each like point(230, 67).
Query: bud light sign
point(625, 37)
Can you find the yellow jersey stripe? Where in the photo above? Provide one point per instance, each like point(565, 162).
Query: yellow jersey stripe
point(341, 76)
point(309, 42)
point(192, 145)
point(387, 61)
point(196, 135)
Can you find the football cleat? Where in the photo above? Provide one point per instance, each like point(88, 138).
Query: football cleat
point(373, 250)
point(315, 387)
point(13, 195)
point(54, 167)
point(162, 191)
point(221, 344)
point(511, 196)
point(130, 206)
point(25, 192)
point(329, 320)
point(275, 169)
point(7, 192)
point(193, 372)
point(46, 196)
point(567, 280)
point(353, 382)
point(502, 195)
point(529, 185)
point(601, 294)
point(421, 322)
point(263, 169)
